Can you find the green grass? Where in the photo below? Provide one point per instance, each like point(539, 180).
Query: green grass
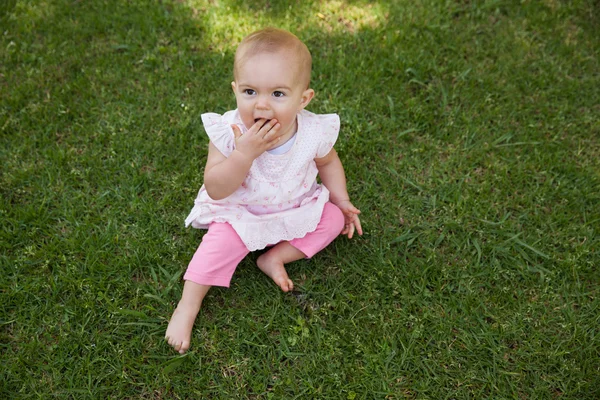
point(471, 140)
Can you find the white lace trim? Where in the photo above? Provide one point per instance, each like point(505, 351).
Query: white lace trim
point(258, 231)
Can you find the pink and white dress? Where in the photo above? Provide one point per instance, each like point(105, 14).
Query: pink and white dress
point(280, 198)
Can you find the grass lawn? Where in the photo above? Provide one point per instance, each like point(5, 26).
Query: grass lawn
point(471, 141)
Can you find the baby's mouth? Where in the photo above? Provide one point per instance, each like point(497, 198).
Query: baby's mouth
point(258, 119)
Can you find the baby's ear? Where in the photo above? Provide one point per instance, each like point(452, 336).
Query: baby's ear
point(307, 96)
point(233, 86)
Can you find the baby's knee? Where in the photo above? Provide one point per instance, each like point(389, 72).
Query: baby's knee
point(335, 217)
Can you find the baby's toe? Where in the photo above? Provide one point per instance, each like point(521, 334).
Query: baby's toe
point(287, 285)
point(184, 347)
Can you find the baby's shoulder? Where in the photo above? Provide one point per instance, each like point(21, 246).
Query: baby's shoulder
point(319, 125)
point(215, 119)
point(218, 129)
point(311, 116)
point(320, 131)
point(319, 122)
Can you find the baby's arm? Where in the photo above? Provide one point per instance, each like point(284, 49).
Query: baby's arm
point(223, 175)
point(332, 175)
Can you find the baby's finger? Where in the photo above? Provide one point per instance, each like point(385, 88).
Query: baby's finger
point(270, 127)
point(354, 210)
point(349, 230)
point(273, 133)
point(258, 124)
point(358, 226)
point(272, 141)
point(236, 131)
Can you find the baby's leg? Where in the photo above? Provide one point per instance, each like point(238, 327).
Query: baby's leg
point(213, 264)
point(179, 331)
point(272, 262)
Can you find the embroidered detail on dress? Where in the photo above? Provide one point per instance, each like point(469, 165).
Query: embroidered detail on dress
point(279, 198)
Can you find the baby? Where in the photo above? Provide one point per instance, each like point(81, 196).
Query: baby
point(260, 188)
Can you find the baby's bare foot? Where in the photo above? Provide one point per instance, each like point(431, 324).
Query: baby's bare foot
point(179, 331)
point(275, 270)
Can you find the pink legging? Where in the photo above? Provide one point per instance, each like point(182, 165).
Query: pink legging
point(221, 249)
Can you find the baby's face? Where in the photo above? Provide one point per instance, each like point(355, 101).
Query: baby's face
point(267, 86)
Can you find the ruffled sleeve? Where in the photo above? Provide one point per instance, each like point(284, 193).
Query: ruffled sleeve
point(219, 131)
point(330, 129)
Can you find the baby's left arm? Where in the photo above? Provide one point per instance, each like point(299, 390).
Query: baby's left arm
point(332, 175)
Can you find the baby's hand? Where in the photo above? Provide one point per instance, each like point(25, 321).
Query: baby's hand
point(351, 216)
point(258, 139)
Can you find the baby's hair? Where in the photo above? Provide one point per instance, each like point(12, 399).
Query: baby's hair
point(273, 40)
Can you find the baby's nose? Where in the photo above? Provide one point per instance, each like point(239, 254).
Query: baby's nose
point(262, 103)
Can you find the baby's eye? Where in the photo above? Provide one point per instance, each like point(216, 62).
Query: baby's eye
point(278, 93)
point(249, 92)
